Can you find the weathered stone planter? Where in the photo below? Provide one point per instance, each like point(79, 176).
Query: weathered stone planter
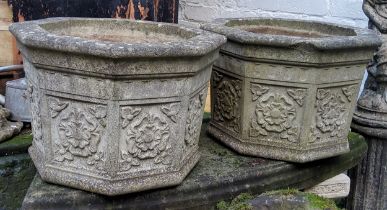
point(286, 89)
point(116, 104)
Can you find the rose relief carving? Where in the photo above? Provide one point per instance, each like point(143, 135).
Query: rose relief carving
point(79, 132)
point(195, 113)
point(275, 113)
point(331, 114)
point(227, 98)
point(147, 137)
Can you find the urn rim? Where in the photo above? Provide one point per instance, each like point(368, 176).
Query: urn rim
point(345, 37)
point(32, 34)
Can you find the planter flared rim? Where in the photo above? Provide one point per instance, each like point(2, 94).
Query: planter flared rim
point(31, 34)
point(364, 38)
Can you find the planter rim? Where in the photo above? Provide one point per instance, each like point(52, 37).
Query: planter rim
point(364, 38)
point(31, 34)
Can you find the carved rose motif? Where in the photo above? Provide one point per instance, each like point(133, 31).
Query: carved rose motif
point(80, 136)
point(147, 138)
point(275, 113)
point(331, 114)
point(330, 109)
point(226, 108)
point(79, 131)
point(195, 113)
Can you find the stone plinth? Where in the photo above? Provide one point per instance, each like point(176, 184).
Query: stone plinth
point(221, 174)
point(335, 187)
point(287, 89)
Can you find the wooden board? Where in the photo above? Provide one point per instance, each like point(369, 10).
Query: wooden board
point(153, 10)
point(8, 52)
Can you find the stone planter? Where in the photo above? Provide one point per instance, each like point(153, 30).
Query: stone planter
point(286, 89)
point(116, 105)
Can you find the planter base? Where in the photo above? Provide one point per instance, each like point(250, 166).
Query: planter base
point(113, 187)
point(267, 151)
point(221, 174)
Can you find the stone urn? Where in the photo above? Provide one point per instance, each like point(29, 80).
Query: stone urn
point(116, 105)
point(286, 89)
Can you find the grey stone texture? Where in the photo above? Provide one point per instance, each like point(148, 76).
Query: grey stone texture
point(335, 187)
point(116, 104)
point(286, 89)
point(221, 174)
point(8, 128)
point(369, 179)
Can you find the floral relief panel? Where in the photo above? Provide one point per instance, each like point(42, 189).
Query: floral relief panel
point(332, 106)
point(36, 124)
point(194, 118)
point(227, 100)
point(80, 128)
point(146, 136)
point(277, 113)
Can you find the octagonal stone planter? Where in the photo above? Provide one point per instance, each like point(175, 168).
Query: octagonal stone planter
point(116, 105)
point(286, 89)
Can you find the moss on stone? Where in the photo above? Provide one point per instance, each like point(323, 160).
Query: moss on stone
point(238, 203)
point(16, 145)
point(354, 136)
point(314, 202)
point(320, 202)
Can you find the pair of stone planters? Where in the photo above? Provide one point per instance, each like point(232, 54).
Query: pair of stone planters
point(116, 105)
point(286, 89)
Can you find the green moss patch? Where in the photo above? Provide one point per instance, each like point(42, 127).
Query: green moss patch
point(315, 201)
point(238, 203)
point(312, 201)
point(16, 145)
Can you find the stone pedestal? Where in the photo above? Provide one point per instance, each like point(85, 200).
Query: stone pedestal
point(221, 174)
point(369, 179)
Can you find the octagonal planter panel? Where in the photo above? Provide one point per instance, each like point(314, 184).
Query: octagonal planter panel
point(286, 89)
point(116, 105)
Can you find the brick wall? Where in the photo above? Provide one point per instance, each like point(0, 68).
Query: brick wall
point(347, 12)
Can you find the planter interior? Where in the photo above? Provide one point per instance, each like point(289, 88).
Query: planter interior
point(286, 89)
point(116, 104)
point(118, 32)
point(290, 28)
